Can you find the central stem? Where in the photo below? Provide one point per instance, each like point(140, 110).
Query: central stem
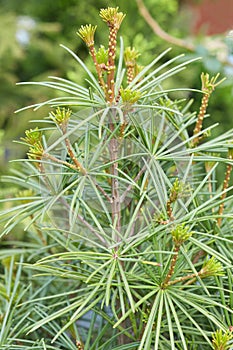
point(113, 151)
point(111, 63)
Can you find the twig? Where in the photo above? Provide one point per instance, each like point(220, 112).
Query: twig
point(167, 37)
point(192, 277)
point(208, 86)
point(59, 161)
point(172, 265)
point(159, 31)
point(78, 165)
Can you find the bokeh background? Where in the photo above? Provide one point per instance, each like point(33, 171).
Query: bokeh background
point(31, 31)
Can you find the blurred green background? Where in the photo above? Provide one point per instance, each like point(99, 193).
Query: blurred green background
point(31, 31)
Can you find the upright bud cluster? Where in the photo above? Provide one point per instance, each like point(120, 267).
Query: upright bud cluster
point(104, 60)
point(180, 234)
point(208, 86)
point(33, 138)
point(61, 116)
point(130, 56)
point(87, 33)
point(113, 18)
point(129, 96)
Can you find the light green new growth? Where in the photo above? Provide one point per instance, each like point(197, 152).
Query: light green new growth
point(102, 56)
point(180, 234)
point(130, 96)
point(87, 34)
point(112, 17)
point(211, 267)
point(122, 247)
point(61, 115)
point(221, 340)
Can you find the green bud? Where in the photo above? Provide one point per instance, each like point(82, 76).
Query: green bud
point(60, 116)
point(102, 55)
point(87, 33)
point(176, 189)
point(112, 17)
point(161, 218)
point(130, 96)
point(33, 136)
point(34, 140)
point(208, 85)
point(36, 151)
point(220, 340)
point(211, 267)
point(180, 234)
point(130, 56)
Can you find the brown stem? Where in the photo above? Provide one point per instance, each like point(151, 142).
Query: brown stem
point(183, 279)
point(172, 266)
point(104, 193)
point(44, 177)
point(130, 73)
point(113, 152)
point(169, 210)
point(91, 228)
point(74, 159)
point(111, 63)
point(189, 278)
point(200, 118)
point(78, 165)
point(59, 161)
point(98, 67)
point(198, 256)
point(74, 167)
point(223, 196)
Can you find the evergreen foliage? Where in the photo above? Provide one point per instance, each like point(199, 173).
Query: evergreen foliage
point(123, 246)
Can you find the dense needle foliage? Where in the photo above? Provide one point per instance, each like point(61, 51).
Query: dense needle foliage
point(127, 231)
